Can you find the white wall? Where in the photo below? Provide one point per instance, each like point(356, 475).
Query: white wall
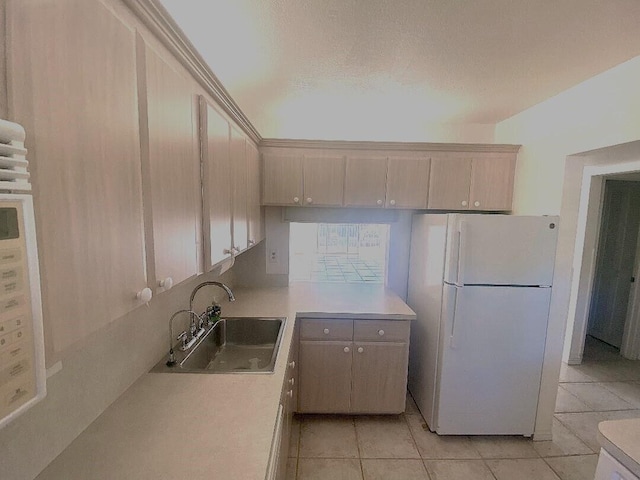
point(602, 111)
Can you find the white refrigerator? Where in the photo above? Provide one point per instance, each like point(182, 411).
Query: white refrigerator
point(480, 286)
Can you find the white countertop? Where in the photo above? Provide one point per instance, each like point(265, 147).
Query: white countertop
point(206, 426)
point(621, 438)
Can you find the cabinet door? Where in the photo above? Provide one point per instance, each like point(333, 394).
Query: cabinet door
point(171, 167)
point(254, 210)
point(449, 183)
point(323, 180)
point(365, 182)
point(216, 185)
point(407, 182)
point(64, 60)
point(492, 183)
point(281, 180)
point(239, 169)
point(325, 377)
point(379, 375)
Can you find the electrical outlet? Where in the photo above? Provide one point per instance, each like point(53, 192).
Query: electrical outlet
point(273, 256)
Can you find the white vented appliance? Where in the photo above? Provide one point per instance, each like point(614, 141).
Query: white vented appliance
point(22, 366)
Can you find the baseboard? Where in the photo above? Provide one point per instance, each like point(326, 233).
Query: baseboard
point(542, 436)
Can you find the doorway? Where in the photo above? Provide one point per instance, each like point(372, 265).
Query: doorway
point(615, 261)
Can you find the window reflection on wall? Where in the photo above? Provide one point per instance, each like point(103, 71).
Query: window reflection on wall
point(338, 252)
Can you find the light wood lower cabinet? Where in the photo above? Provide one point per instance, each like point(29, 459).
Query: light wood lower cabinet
point(353, 366)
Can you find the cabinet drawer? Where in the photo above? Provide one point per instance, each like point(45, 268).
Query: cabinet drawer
point(381, 331)
point(326, 329)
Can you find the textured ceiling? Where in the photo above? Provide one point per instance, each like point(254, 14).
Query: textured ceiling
point(393, 70)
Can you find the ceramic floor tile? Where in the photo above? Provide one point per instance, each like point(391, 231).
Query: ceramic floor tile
point(564, 443)
point(628, 391)
point(329, 469)
point(597, 397)
point(458, 470)
point(292, 466)
point(385, 437)
point(584, 426)
point(504, 447)
point(521, 469)
point(435, 447)
point(567, 402)
point(326, 436)
point(385, 469)
point(621, 414)
point(580, 467)
point(571, 373)
point(294, 440)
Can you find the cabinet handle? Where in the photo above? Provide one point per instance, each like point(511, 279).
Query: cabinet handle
point(290, 394)
point(252, 242)
point(347, 349)
point(379, 202)
point(381, 332)
point(292, 381)
point(392, 202)
point(228, 251)
point(476, 204)
point(309, 200)
point(296, 200)
point(144, 295)
point(464, 203)
point(360, 349)
point(292, 364)
point(326, 331)
point(167, 283)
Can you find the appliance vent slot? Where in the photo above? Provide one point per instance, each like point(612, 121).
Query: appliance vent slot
point(14, 177)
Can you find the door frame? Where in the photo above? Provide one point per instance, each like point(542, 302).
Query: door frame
point(584, 263)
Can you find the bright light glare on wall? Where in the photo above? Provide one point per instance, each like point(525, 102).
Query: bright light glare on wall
point(338, 253)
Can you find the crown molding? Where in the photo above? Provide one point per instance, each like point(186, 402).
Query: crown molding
point(155, 17)
point(397, 146)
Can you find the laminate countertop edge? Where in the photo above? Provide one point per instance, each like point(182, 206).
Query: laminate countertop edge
point(621, 438)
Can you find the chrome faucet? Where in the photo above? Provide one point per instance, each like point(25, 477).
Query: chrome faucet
point(232, 298)
point(187, 339)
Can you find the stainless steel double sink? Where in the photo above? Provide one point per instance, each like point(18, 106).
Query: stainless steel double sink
point(232, 345)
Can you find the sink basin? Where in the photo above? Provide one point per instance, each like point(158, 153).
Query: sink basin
point(232, 345)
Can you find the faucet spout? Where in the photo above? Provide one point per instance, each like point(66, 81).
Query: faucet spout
point(232, 298)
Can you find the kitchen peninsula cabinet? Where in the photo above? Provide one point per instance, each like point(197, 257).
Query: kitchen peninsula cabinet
point(72, 67)
point(170, 167)
point(353, 366)
point(462, 183)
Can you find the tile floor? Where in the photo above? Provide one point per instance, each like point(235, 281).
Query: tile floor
point(605, 386)
point(346, 269)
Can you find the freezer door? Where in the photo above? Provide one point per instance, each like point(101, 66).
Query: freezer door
point(501, 250)
point(492, 351)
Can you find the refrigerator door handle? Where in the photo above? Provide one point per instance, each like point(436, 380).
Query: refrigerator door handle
point(462, 236)
point(453, 319)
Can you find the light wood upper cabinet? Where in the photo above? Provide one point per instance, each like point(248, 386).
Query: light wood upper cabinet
point(449, 183)
point(482, 183)
point(407, 182)
point(281, 180)
point(365, 182)
point(216, 184)
point(323, 183)
point(73, 87)
point(254, 210)
point(171, 168)
point(492, 183)
point(239, 169)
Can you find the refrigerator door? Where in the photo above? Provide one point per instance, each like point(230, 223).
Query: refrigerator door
point(501, 250)
point(491, 359)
